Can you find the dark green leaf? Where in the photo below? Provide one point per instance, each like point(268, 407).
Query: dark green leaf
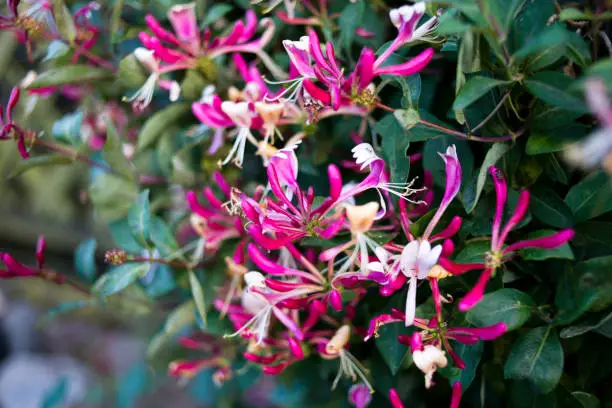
point(587, 326)
point(475, 88)
point(391, 350)
point(407, 118)
point(85, 259)
point(544, 49)
point(349, 21)
point(119, 278)
point(69, 75)
point(591, 197)
point(39, 161)
point(139, 219)
point(160, 121)
point(537, 356)
point(549, 208)
point(551, 88)
point(475, 251)
point(113, 152)
point(471, 355)
point(163, 238)
point(182, 316)
point(522, 396)
point(198, 296)
point(510, 306)
point(472, 192)
point(394, 147)
point(586, 400)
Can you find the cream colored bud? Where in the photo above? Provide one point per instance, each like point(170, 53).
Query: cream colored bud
point(266, 150)
point(255, 279)
point(428, 360)
point(337, 343)
point(361, 217)
point(234, 94)
point(438, 272)
point(269, 112)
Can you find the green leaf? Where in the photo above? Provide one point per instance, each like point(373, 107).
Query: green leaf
point(192, 85)
point(122, 235)
point(112, 152)
point(119, 278)
point(39, 161)
point(591, 197)
point(539, 254)
point(139, 219)
point(131, 72)
point(68, 128)
point(85, 259)
point(549, 208)
point(587, 326)
point(64, 21)
point(510, 306)
point(160, 121)
point(582, 287)
point(407, 118)
point(537, 356)
point(551, 88)
point(56, 49)
point(394, 147)
point(69, 75)
point(391, 350)
point(67, 307)
point(163, 238)
point(182, 316)
point(112, 196)
point(571, 13)
point(472, 192)
point(586, 400)
point(522, 396)
point(349, 21)
point(216, 12)
point(544, 49)
point(198, 295)
point(474, 89)
point(471, 355)
point(475, 251)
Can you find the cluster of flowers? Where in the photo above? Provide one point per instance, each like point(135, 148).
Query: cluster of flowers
point(286, 298)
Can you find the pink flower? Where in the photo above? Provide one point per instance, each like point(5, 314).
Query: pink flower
point(9, 129)
point(498, 254)
point(15, 269)
point(359, 396)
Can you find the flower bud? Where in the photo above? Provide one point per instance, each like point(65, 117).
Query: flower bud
point(394, 398)
point(115, 256)
point(428, 360)
point(359, 396)
point(361, 217)
point(296, 348)
point(340, 339)
point(335, 300)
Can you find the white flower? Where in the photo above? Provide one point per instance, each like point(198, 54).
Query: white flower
point(364, 154)
point(405, 13)
point(417, 259)
point(428, 360)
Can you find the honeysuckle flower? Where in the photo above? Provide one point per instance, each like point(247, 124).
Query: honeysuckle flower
point(394, 398)
point(188, 48)
point(417, 259)
point(143, 96)
point(406, 19)
point(9, 129)
point(377, 179)
point(498, 253)
point(34, 19)
point(216, 221)
point(241, 115)
point(350, 367)
point(359, 396)
point(16, 269)
point(261, 302)
point(427, 358)
point(355, 88)
point(596, 149)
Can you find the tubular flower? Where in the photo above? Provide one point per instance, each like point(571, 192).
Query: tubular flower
point(359, 396)
point(500, 253)
point(10, 130)
point(187, 47)
point(15, 269)
point(417, 259)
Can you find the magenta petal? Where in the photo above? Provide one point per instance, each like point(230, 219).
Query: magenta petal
point(289, 323)
point(453, 227)
point(394, 398)
point(501, 193)
point(316, 92)
point(483, 333)
point(13, 99)
point(196, 207)
point(519, 213)
point(459, 269)
point(159, 31)
point(416, 342)
point(335, 300)
point(295, 348)
point(315, 50)
point(364, 69)
point(378, 321)
point(40, 251)
point(549, 242)
point(21, 146)
point(456, 395)
point(475, 294)
point(17, 268)
point(184, 22)
point(411, 67)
